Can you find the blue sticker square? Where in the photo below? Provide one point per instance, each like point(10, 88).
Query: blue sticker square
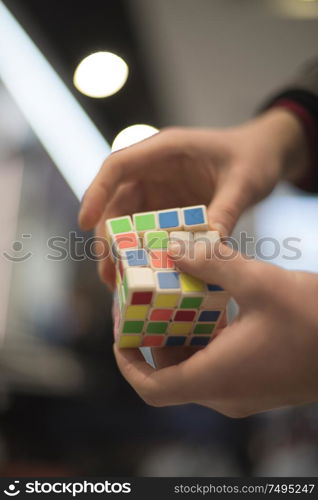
point(168, 219)
point(137, 257)
point(176, 340)
point(200, 341)
point(193, 216)
point(168, 280)
point(215, 288)
point(209, 316)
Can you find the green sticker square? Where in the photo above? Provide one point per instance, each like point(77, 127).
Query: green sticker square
point(145, 222)
point(191, 302)
point(122, 225)
point(133, 326)
point(157, 240)
point(207, 328)
point(125, 287)
point(157, 327)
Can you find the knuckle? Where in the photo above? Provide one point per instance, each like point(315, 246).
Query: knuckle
point(151, 399)
point(236, 411)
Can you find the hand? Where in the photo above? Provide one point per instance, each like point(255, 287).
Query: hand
point(228, 170)
point(267, 358)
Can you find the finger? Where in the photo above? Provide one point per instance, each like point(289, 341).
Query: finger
point(227, 206)
point(177, 384)
point(124, 166)
point(216, 264)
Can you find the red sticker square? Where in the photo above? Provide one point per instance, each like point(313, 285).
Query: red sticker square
point(153, 340)
point(126, 240)
point(161, 314)
point(161, 260)
point(141, 298)
point(184, 315)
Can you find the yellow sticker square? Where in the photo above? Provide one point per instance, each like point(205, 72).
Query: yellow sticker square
point(166, 300)
point(180, 328)
point(130, 341)
point(136, 312)
point(191, 284)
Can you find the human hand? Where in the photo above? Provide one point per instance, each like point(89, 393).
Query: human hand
point(228, 170)
point(266, 358)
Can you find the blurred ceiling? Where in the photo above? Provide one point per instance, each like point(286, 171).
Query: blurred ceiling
point(68, 31)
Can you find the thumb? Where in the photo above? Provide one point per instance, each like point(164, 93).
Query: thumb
point(227, 206)
point(220, 265)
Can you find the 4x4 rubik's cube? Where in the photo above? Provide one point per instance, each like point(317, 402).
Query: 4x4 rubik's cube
point(154, 304)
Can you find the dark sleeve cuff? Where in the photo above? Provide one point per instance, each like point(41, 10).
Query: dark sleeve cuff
point(305, 106)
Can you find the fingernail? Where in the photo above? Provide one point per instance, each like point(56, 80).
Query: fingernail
point(174, 248)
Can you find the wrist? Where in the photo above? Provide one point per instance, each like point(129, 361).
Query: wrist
point(290, 143)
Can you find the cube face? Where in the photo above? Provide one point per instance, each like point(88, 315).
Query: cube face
point(145, 222)
point(167, 281)
point(119, 225)
point(180, 328)
point(189, 284)
point(191, 302)
point(166, 300)
point(153, 340)
point(195, 218)
point(161, 314)
point(155, 327)
point(184, 315)
point(133, 326)
point(209, 316)
point(156, 240)
point(159, 259)
point(170, 220)
point(141, 298)
point(204, 328)
point(155, 304)
point(125, 240)
point(176, 341)
point(136, 312)
point(135, 258)
point(130, 341)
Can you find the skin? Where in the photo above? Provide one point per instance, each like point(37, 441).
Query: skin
point(267, 357)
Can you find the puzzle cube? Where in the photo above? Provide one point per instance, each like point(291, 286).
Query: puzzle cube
point(156, 305)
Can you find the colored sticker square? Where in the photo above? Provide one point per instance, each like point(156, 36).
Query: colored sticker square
point(130, 341)
point(156, 239)
point(138, 257)
point(184, 315)
point(180, 328)
point(126, 240)
point(161, 314)
point(169, 219)
point(157, 327)
point(190, 284)
point(133, 326)
point(175, 341)
point(153, 340)
point(209, 316)
point(139, 298)
point(204, 329)
point(161, 260)
point(122, 225)
point(145, 222)
point(191, 302)
point(168, 280)
point(166, 300)
point(193, 216)
point(215, 288)
point(136, 312)
point(198, 341)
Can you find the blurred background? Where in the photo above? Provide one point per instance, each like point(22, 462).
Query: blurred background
point(64, 408)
